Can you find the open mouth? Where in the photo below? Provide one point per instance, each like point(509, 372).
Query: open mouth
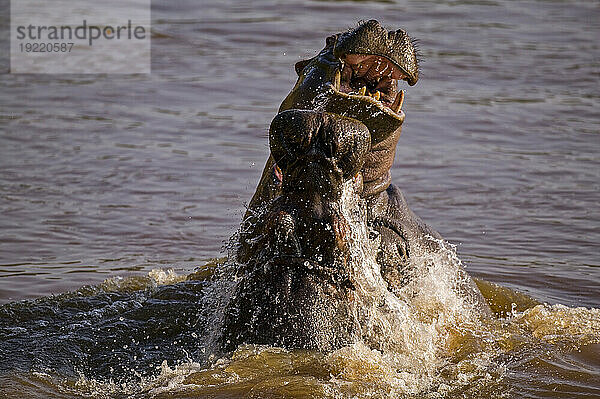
point(371, 78)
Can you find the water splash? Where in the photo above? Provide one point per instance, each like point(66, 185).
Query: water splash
point(150, 337)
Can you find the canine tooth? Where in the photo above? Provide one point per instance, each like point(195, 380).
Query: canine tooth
point(397, 105)
point(362, 91)
point(377, 95)
point(338, 79)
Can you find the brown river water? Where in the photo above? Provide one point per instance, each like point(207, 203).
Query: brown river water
point(114, 189)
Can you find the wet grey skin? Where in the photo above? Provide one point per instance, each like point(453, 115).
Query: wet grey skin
point(338, 126)
point(295, 282)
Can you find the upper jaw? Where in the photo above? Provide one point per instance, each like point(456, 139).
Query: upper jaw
point(370, 38)
point(372, 61)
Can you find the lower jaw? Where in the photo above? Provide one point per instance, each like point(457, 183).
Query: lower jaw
point(381, 123)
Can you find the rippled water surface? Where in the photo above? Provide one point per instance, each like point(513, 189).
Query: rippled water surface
point(107, 179)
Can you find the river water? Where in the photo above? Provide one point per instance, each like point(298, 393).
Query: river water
point(124, 184)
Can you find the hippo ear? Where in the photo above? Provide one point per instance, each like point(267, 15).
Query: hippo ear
point(331, 40)
point(300, 65)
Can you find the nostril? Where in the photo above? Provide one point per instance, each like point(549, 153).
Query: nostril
point(291, 135)
point(312, 147)
point(348, 140)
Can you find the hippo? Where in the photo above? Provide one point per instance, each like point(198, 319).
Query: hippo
point(327, 238)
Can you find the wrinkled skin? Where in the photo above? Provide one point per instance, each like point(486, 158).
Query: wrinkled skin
point(332, 146)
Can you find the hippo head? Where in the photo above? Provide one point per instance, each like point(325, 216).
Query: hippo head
point(307, 274)
point(306, 261)
point(357, 75)
point(320, 156)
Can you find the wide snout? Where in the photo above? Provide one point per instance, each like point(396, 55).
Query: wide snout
point(316, 150)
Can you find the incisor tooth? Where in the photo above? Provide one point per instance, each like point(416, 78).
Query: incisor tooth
point(338, 79)
point(377, 95)
point(362, 91)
